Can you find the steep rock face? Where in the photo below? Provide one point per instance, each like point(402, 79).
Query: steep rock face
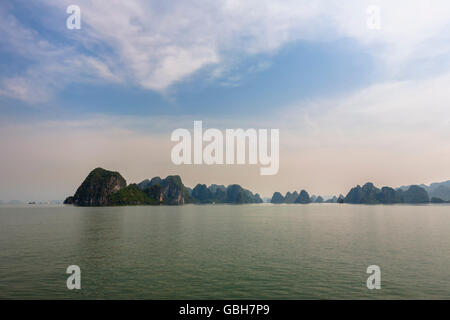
point(277, 198)
point(388, 195)
point(369, 194)
point(354, 195)
point(155, 193)
point(441, 192)
point(294, 197)
point(365, 194)
point(257, 198)
point(201, 194)
point(215, 187)
point(415, 194)
point(303, 197)
point(221, 194)
point(148, 183)
point(319, 199)
point(173, 190)
point(169, 191)
point(291, 197)
point(236, 194)
point(97, 187)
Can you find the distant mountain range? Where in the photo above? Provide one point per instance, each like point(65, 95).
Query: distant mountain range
point(369, 194)
point(108, 188)
point(438, 190)
point(302, 197)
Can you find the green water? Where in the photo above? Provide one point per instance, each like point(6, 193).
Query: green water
point(225, 251)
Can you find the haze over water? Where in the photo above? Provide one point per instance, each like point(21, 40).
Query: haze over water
point(316, 251)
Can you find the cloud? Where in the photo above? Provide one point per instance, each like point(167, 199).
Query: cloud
point(417, 106)
point(154, 45)
point(390, 133)
point(49, 66)
point(23, 89)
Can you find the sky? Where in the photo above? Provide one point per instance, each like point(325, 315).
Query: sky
point(353, 103)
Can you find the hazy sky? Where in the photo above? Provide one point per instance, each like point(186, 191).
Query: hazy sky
point(353, 104)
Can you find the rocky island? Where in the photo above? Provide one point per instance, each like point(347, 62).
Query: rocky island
point(367, 194)
point(108, 188)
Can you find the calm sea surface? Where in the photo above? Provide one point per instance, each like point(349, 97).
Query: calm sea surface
point(225, 251)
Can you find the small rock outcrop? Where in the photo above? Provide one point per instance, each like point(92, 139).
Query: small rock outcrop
point(291, 197)
point(69, 200)
point(303, 197)
point(277, 198)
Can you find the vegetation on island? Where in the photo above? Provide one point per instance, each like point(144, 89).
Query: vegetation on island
point(107, 188)
point(367, 194)
point(97, 188)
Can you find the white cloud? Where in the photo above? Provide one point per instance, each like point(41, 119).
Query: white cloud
point(154, 44)
point(391, 133)
point(50, 66)
point(154, 39)
point(395, 107)
point(23, 89)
